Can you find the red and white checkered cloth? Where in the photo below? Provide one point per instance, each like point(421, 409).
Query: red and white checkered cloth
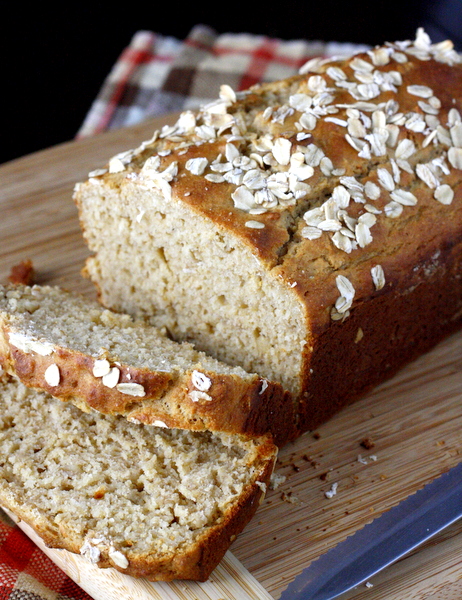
point(156, 75)
point(26, 573)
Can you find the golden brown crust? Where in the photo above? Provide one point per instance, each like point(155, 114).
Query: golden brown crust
point(273, 242)
point(235, 406)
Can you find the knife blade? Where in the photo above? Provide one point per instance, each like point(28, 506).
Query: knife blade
point(382, 542)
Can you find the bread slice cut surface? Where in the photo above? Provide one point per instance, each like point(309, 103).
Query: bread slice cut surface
point(151, 502)
point(76, 350)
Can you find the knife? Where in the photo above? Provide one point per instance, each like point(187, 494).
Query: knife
point(382, 542)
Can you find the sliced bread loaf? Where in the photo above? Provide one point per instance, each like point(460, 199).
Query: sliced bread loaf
point(307, 229)
point(151, 502)
point(76, 350)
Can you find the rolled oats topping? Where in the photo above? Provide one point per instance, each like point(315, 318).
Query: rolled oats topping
point(111, 379)
point(119, 162)
point(101, 367)
point(422, 91)
point(455, 157)
point(90, 552)
point(200, 381)
point(405, 149)
point(131, 389)
point(198, 396)
point(28, 344)
point(254, 224)
point(342, 306)
point(118, 558)
point(393, 209)
point(281, 150)
point(403, 197)
point(52, 375)
point(378, 277)
point(197, 165)
point(273, 151)
point(444, 194)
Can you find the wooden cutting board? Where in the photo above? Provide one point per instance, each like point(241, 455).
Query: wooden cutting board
point(414, 423)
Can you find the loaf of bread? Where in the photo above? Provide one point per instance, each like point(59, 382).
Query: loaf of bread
point(151, 502)
point(308, 230)
point(72, 348)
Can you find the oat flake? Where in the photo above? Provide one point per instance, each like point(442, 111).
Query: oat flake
point(197, 396)
point(422, 91)
point(111, 379)
point(131, 389)
point(455, 157)
point(444, 194)
point(101, 367)
point(201, 381)
point(52, 375)
point(254, 225)
point(378, 277)
point(118, 558)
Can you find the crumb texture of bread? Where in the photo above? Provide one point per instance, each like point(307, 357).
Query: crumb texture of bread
point(303, 229)
point(76, 350)
point(150, 502)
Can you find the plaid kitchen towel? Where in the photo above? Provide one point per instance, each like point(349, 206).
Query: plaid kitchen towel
point(26, 573)
point(156, 75)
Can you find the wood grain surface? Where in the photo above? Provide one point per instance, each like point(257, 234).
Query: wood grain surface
point(413, 421)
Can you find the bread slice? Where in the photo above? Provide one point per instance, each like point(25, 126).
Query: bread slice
point(76, 350)
point(151, 502)
point(307, 229)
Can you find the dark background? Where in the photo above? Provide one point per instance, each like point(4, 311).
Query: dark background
point(55, 60)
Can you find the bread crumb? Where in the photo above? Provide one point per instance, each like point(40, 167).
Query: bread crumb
point(290, 498)
point(365, 460)
point(367, 443)
point(276, 481)
point(22, 273)
point(333, 490)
